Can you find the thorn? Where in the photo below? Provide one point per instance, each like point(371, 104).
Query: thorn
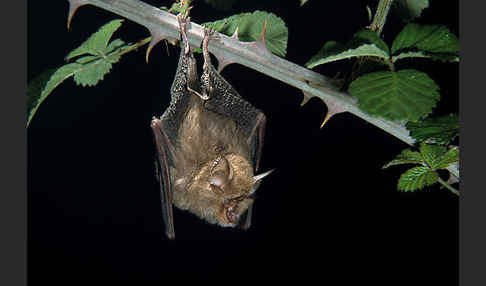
point(156, 38)
point(307, 97)
point(332, 109)
point(260, 44)
point(221, 64)
point(151, 45)
point(235, 33)
point(326, 118)
point(262, 35)
point(223, 61)
point(73, 7)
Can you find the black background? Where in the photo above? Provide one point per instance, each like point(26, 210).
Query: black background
point(328, 212)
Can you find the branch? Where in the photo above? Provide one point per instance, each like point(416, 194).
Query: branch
point(163, 25)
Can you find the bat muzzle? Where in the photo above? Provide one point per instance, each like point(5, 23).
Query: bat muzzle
point(231, 209)
point(231, 215)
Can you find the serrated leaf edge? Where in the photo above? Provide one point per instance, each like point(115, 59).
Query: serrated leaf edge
point(412, 185)
point(85, 47)
point(350, 53)
point(399, 80)
point(80, 68)
point(421, 54)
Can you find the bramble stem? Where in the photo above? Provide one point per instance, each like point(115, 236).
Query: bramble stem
point(164, 23)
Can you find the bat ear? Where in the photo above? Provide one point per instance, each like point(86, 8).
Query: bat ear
point(257, 179)
point(221, 173)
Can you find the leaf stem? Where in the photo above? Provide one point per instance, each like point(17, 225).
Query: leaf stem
point(449, 187)
point(134, 46)
point(390, 64)
point(380, 16)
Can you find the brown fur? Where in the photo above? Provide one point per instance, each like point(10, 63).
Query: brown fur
point(204, 137)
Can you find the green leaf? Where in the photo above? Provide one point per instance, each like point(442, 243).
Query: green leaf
point(365, 36)
point(406, 157)
point(410, 9)
point(449, 158)
point(56, 78)
point(87, 71)
point(365, 43)
point(440, 130)
point(416, 178)
point(96, 43)
point(421, 54)
point(92, 72)
point(432, 154)
point(333, 51)
point(35, 87)
point(428, 38)
point(250, 26)
point(403, 95)
point(114, 45)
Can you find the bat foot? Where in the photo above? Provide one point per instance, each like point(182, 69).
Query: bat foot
point(182, 20)
point(208, 35)
point(208, 68)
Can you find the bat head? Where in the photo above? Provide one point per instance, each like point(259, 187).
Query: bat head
point(224, 189)
point(236, 193)
point(231, 180)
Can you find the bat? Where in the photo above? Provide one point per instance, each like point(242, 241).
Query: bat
point(208, 143)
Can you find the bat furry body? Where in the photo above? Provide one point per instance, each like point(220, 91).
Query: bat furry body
point(209, 145)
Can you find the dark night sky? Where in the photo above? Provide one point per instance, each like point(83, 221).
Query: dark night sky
point(329, 212)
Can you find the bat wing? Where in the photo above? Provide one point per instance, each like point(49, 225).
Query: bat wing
point(163, 162)
point(166, 128)
point(224, 99)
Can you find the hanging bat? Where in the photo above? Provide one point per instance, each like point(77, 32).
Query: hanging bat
point(209, 143)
